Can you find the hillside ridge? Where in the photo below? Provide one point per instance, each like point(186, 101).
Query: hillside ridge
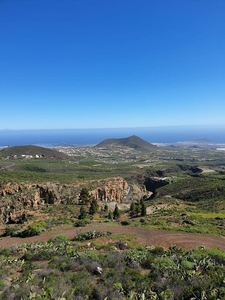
point(32, 150)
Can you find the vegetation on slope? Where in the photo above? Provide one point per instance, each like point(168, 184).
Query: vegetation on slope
point(100, 265)
point(195, 189)
point(97, 267)
point(131, 142)
point(33, 151)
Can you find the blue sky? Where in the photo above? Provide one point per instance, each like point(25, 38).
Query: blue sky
point(111, 63)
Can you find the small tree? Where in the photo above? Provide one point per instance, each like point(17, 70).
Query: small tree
point(143, 208)
point(132, 209)
point(93, 207)
point(84, 196)
point(82, 214)
point(106, 208)
point(110, 215)
point(137, 208)
point(116, 213)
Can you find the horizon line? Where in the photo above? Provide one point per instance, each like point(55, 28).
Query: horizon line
point(117, 128)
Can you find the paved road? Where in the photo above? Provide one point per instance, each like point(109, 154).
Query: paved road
point(130, 190)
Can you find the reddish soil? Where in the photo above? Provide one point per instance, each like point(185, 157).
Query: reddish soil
point(147, 237)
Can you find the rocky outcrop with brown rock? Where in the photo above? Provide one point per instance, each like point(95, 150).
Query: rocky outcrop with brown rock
point(113, 190)
point(16, 199)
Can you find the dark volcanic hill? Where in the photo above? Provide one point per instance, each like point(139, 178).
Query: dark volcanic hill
point(32, 150)
point(131, 142)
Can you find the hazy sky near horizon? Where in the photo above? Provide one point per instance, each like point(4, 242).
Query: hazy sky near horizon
point(111, 63)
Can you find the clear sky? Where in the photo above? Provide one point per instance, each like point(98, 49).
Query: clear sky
point(111, 63)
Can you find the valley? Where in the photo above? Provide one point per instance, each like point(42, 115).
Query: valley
point(108, 202)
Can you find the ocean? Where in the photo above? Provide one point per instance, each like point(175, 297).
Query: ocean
point(81, 137)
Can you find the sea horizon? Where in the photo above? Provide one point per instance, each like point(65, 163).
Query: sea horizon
point(78, 137)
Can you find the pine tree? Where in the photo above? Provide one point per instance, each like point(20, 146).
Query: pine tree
point(137, 209)
point(82, 214)
point(132, 209)
point(110, 215)
point(84, 196)
point(143, 208)
point(116, 213)
point(106, 208)
point(94, 207)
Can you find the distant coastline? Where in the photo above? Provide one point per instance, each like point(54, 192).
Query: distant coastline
point(78, 137)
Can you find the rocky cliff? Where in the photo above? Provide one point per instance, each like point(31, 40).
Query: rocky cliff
point(113, 190)
point(17, 199)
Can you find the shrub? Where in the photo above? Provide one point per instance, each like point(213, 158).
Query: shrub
point(61, 238)
point(157, 250)
point(33, 229)
point(10, 231)
point(121, 245)
point(125, 222)
point(82, 222)
point(92, 234)
point(142, 221)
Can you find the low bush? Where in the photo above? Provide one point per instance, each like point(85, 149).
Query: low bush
point(82, 222)
point(121, 245)
point(10, 231)
point(125, 223)
point(92, 234)
point(33, 229)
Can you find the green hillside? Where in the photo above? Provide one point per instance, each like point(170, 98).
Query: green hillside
point(33, 151)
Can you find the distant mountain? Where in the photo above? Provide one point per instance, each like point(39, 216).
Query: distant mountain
point(32, 150)
point(131, 142)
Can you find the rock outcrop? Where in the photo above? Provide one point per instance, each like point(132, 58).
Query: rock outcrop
point(154, 183)
point(114, 190)
point(17, 199)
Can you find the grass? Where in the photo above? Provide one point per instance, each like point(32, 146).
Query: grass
point(61, 170)
point(210, 215)
point(196, 189)
point(177, 215)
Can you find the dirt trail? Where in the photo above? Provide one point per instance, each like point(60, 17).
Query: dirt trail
point(148, 237)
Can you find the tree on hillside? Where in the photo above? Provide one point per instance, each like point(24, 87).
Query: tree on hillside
point(137, 209)
point(110, 215)
point(132, 209)
point(116, 213)
point(106, 208)
point(143, 208)
point(82, 214)
point(93, 207)
point(84, 196)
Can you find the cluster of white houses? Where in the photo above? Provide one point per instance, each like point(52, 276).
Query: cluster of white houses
point(15, 156)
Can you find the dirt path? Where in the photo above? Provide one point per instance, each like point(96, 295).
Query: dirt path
point(144, 236)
